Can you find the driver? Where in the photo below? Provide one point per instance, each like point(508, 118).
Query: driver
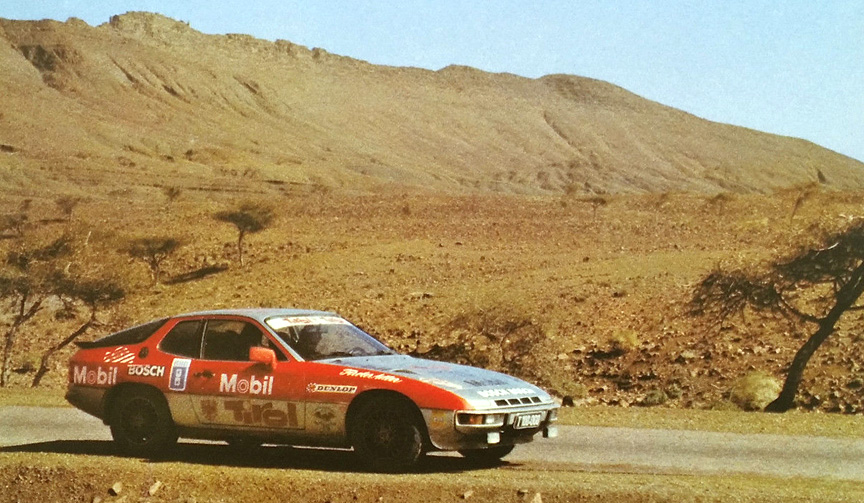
point(308, 338)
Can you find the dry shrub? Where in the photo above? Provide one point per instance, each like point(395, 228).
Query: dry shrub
point(623, 341)
point(499, 338)
point(754, 391)
point(653, 398)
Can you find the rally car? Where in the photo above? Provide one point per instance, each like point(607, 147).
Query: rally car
point(297, 377)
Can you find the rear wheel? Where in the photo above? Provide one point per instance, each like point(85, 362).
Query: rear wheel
point(489, 455)
point(386, 435)
point(141, 423)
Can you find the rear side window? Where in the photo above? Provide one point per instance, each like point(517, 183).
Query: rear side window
point(183, 340)
point(134, 335)
point(230, 340)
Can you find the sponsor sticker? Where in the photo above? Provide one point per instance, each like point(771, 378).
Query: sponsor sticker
point(210, 410)
point(441, 383)
point(491, 393)
point(146, 370)
point(297, 321)
point(94, 377)
point(258, 413)
point(485, 382)
point(330, 388)
point(252, 386)
point(120, 354)
point(179, 374)
point(366, 374)
point(324, 418)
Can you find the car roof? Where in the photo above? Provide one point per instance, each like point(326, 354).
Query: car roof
point(258, 314)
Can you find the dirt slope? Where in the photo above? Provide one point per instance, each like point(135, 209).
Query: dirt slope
point(148, 101)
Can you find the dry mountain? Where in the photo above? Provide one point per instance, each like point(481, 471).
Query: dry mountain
point(146, 101)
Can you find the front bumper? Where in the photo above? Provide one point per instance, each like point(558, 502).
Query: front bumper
point(517, 425)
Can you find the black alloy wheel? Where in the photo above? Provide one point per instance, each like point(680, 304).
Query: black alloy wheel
point(386, 436)
point(141, 423)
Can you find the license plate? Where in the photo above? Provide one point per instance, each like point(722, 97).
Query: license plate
point(525, 421)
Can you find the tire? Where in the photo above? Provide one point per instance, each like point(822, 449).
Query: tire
point(386, 436)
point(141, 423)
point(490, 455)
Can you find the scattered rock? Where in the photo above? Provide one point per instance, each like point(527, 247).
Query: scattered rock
point(467, 494)
point(155, 488)
point(754, 391)
point(686, 356)
point(116, 489)
point(674, 391)
point(537, 498)
point(420, 295)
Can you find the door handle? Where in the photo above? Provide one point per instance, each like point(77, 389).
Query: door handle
point(205, 374)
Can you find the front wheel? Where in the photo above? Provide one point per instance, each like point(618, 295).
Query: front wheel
point(386, 436)
point(489, 455)
point(141, 423)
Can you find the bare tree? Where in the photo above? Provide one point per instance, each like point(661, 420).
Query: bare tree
point(28, 278)
point(153, 251)
point(93, 295)
point(596, 203)
point(814, 287)
point(803, 193)
point(248, 218)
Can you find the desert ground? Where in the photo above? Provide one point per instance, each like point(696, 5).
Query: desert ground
point(589, 300)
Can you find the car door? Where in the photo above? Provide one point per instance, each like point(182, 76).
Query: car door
point(228, 390)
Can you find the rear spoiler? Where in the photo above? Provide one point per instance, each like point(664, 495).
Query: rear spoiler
point(87, 344)
point(134, 335)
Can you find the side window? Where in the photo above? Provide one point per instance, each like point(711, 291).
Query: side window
point(230, 340)
point(183, 340)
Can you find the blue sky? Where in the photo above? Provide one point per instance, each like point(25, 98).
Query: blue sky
point(789, 67)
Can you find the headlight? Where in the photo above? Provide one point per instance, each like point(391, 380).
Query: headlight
point(472, 419)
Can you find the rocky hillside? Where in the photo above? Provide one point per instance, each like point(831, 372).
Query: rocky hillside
point(146, 101)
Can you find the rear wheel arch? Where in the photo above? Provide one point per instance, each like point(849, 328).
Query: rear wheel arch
point(110, 400)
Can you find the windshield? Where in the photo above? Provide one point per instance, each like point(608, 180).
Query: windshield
point(323, 337)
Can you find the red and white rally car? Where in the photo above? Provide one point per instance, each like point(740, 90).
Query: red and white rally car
point(286, 376)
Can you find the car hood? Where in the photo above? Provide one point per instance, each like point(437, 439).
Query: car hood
point(482, 388)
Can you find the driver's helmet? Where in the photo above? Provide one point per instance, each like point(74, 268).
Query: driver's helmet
point(308, 338)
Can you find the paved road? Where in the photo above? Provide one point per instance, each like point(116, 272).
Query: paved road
point(579, 448)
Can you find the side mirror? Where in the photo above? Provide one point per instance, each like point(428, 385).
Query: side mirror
point(264, 356)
